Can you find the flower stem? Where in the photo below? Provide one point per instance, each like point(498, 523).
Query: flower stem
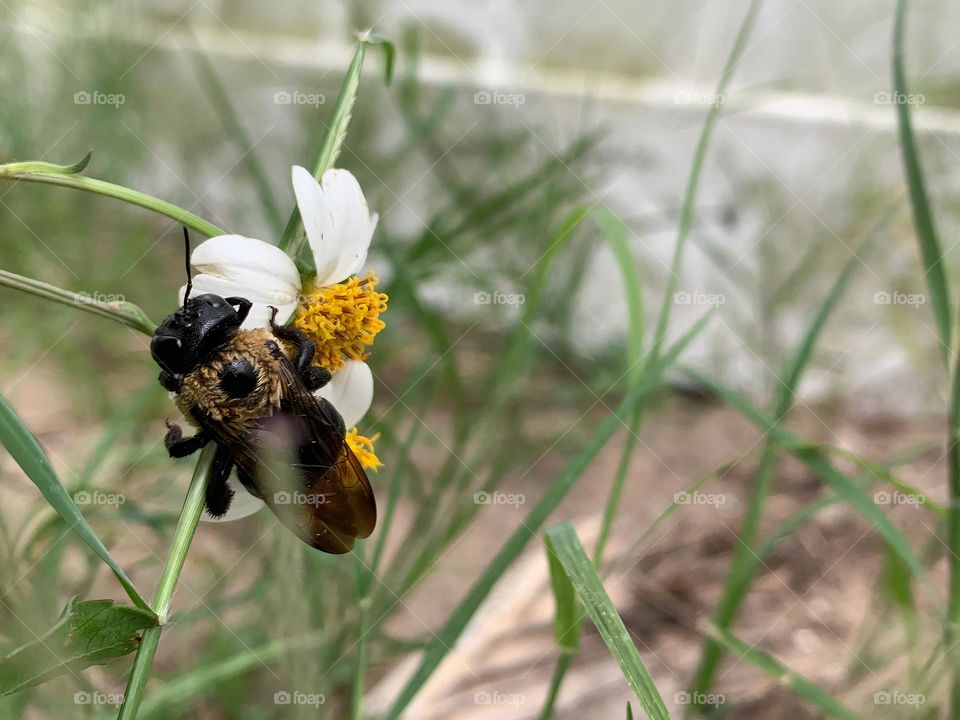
point(182, 537)
point(293, 238)
point(124, 312)
point(50, 174)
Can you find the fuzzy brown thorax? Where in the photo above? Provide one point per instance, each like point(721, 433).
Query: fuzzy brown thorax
point(201, 388)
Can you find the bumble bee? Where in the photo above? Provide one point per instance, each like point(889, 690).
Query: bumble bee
point(248, 391)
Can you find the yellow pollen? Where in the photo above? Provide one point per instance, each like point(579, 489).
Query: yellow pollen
point(363, 448)
point(342, 319)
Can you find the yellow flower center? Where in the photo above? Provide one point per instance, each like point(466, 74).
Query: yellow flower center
point(342, 319)
point(363, 448)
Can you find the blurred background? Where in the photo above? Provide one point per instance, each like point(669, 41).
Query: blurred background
point(503, 118)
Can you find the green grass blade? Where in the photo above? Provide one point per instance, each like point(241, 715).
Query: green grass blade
point(447, 636)
point(952, 627)
point(230, 118)
point(844, 486)
point(26, 451)
point(693, 182)
point(177, 693)
point(923, 221)
point(293, 236)
point(743, 566)
point(120, 423)
point(566, 621)
point(580, 570)
point(939, 290)
point(616, 234)
point(775, 669)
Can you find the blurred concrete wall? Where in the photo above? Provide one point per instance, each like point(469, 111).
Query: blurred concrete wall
point(803, 164)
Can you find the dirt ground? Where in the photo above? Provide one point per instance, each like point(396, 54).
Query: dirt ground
point(813, 605)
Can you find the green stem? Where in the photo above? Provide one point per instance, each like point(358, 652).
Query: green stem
point(952, 628)
point(293, 235)
point(50, 174)
point(559, 672)
point(363, 582)
point(693, 182)
point(124, 312)
point(182, 537)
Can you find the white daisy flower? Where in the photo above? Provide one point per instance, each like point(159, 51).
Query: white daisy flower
point(338, 310)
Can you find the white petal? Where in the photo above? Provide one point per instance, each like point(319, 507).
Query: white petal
point(243, 505)
point(337, 222)
point(234, 265)
point(317, 219)
point(350, 391)
point(353, 227)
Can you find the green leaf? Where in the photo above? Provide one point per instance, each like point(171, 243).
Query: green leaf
point(775, 669)
point(895, 581)
point(447, 636)
point(582, 574)
point(566, 621)
point(24, 448)
point(930, 250)
point(389, 53)
point(89, 632)
point(77, 167)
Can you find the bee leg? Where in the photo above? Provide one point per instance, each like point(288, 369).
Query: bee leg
point(170, 382)
point(247, 481)
point(219, 494)
point(178, 446)
point(305, 346)
point(315, 377)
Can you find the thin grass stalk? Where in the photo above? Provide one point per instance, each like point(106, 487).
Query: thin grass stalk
point(952, 625)
point(556, 681)
point(693, 183)
point(50, 174)
point(182, 537)
point(939, 290)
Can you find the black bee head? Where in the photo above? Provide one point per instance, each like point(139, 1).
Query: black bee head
point(192, 334)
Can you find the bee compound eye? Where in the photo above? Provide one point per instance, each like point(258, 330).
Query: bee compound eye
point(165, 346)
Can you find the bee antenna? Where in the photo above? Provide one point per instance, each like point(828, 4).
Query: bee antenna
point(186, 250)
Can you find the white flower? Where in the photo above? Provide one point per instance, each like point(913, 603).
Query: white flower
point(339, 229)
point(337, 222)
point(238, 266)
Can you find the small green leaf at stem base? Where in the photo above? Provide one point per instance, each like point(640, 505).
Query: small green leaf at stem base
point(89, 632)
